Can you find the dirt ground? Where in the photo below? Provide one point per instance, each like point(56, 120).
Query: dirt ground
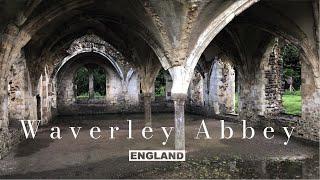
point(106, 158)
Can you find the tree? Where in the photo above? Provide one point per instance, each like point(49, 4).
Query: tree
point(99, 76)
point(160, 83)
point(82, 81)
point(291, 66)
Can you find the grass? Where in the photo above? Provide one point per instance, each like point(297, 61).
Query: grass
point(85, 96)
point(292, 102)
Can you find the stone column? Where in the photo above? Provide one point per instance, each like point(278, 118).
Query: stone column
point(181, 79)
point(309, 125)
point(91, 85)
point(259, 92)
point(273, 87)
point(179, 101)
point(148, 74)
point(222, 88)
point(251, 97)
point(147, 108)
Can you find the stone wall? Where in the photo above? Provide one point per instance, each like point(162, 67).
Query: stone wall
point(222, 88)
point(120, 96)
point(21, 103)
point(258, 92)
point(310, 118)
point(260, 100)
point(9, 138)
point(273, 87)
point(195, 100)
point(214, 93)
point(195, 91)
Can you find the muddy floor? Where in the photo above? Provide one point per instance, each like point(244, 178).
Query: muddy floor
point(85, 157)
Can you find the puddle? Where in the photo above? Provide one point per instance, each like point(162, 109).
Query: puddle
point(234, 158)
point(235, 167)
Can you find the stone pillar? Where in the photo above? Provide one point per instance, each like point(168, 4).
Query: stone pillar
point(260, 85)
point(205, 93)
point(273, 88)
point(310, 91)
point(45, 98)
point(222, 88)
point(148, 76)
point(91, 84)
point(147, 97)
point(179, 101)
point(251, 97)
point(195, 90)
point(181, 79)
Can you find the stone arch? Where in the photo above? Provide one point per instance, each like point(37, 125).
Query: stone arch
point(137, 28)
point(130, 74)
point(309, 56)
point(92, 44)
point(66, 100)
point(310, 70)
point(239, 7)
point(214, 28)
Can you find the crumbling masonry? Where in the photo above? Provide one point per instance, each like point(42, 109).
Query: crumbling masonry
point(208, 48)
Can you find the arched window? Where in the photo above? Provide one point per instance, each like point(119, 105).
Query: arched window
point(90, 82)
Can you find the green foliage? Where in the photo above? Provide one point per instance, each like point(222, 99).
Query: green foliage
point(236, 107)
point(292, 102)
point(161, 91)
point(291, 64)
point(82, 82)
point(99, 81)
point(160, 83)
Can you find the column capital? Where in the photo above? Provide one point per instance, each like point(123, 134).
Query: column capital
point(179, 96)
point(181, 79)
